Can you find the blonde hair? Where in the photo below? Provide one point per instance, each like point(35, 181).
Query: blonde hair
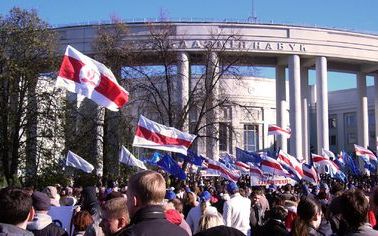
point(210, 219)
point(148, 186)
point(116, 208)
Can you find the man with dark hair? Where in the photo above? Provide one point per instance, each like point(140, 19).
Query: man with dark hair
point(42, 223)
point(15, 211)
point(276, 222)
point(354, 211)
point(145, 195)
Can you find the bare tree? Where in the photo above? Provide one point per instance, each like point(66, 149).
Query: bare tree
point(27, 48)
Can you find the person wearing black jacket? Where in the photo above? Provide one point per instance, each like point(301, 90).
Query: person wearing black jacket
point(42, 224)
point(145, 194)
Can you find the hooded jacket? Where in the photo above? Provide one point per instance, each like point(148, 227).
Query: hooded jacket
point(42, 225)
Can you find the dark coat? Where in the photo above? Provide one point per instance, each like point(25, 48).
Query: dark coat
point(151, 220)
point(50, 230)
point(12, 230)
point(220, 231)
point(273, 227)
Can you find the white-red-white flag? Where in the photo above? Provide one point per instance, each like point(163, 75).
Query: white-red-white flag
point(291, 163)
point(272, 166)
point(276, 130)
point(82, 75)
point(150, 134)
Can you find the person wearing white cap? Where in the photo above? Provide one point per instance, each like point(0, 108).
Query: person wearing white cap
point(236, 211)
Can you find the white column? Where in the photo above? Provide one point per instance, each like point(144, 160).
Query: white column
point(322, 104)
point(376, 109)
point(362, 111)
point(183, 86)
point(295, 107)
point(305, 129)
point(212, 131)
point(281, 105)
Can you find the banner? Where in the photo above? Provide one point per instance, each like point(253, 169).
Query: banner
point(271, 180)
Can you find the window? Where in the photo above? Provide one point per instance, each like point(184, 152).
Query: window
point(225, 137)
point(332, 122)
point(350, 119)
point(332, 140)
point(351, 138)
point(251, 137)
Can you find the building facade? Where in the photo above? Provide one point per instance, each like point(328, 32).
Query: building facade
point(315, 115)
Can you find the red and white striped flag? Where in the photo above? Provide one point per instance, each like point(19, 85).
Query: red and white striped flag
point(82, 75)
point(255, 170)
point(150, 134)
point(365, 153)
point(242, 166)
point(276, 130)
point(291, 163)
point(272, 166)
point(310, 174)
point(323, 163)
point(223, 170)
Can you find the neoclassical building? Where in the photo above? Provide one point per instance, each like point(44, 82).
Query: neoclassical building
point(318, 119)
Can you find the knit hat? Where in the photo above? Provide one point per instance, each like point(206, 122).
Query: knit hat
point(205, 196)
point(232, 187)
point(41, 202)
point(170, 195)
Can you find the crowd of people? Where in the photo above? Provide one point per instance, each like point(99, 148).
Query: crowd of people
point(151, 205)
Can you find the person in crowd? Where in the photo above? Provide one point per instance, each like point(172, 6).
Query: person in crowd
point(309, 216)
point(354, 211)
point(374, 203)
point(237, 210)
point(145, 195)
point(81, 221)
point(68, 199)
point(90, 203)
point(42, 223)
point(16, 209)
point(210, 219)
point(114, 216)
point(190, 201)
point(173, 213)
point(256, 213)
point(195, 213)
point(52, 192)
point(275, 224)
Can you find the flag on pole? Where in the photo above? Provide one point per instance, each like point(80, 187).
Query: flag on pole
point(291, 164)
point(327, 166)
point(349, 163)
point(276, 130)
point(310, 174)
point(242, 166)
point(79, 163)
point(192, 157)
point(247, 156)
point(365, 153)
point(223, 170)
point(328, 154)
point(126, 157)
point(255, 170)
point(150, 134)
point(82, 75)
point(272, 166)
point(170, 166)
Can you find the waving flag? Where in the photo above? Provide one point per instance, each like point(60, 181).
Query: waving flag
point(328, 154)
point(223, 170)
point(327, 166)
point(291, 164)
point(82, 75)
point(79, 163)
point(170, 166)
point(310, 174)
point(242, 166)
point(246, 156)
point(276, 130)
point(340, 162)
point(126, 157)
point(349, 163)
point(272, 166)
point(150, 134)
point(192, 157)
point(365, 153)
point(255, 170)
